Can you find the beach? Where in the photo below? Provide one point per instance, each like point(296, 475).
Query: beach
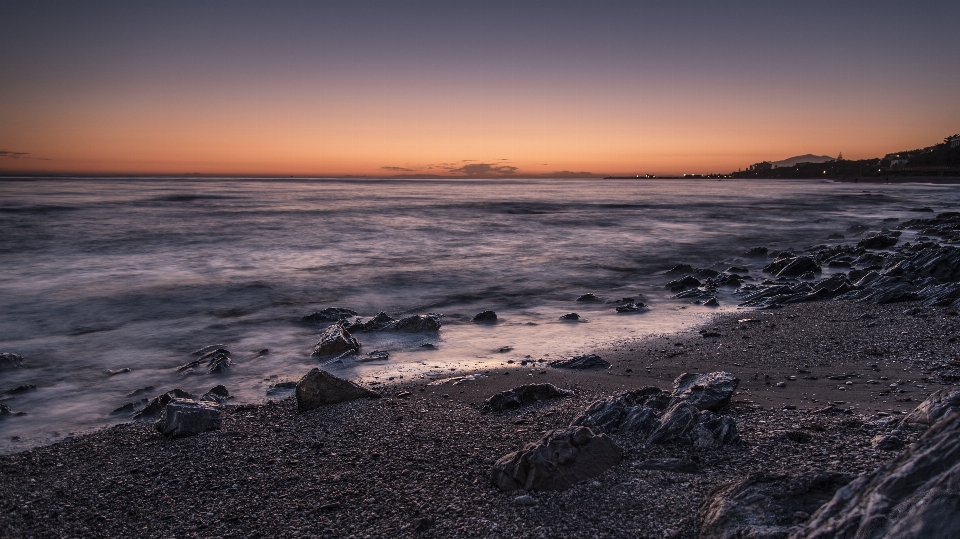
point(420, 464)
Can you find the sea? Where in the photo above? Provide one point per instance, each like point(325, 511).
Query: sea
point(107, 285)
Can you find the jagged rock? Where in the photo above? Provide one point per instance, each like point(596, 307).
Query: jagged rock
point(335, 340)
point(561, 459)
point(756, 252)
point(711, 391)
point(765, 505)
point(486, 317)
point(687, 282)
point(683, 424)
point(706, 273)
point(669, 465)
point(157, 403)
point(420, 323)
point(879, 241)
point(318, 388)
point(185, 417)
point(571, 317)
point(524, 395)
point(588, 361)
point(4, 411)
point(712, 302)
point(10, 360)
point(218, 394)
point(21, 389)
point(376, 355)
point(631, 307)
point(887, 442)
point(611, 414)
point(934, 407)
point(218, 360)
point(588, 297)
point(911, 497)
point(799, 266)
point(330, 314)
point(679, 269)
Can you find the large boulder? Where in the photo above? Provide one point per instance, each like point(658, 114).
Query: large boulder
point(937, 405)
point(588, 361)
point(523, 395)
point(185, 417)
point(915, 496)
point(766, 505)
point(561, 459)
point(318, 388)
point(711, 391)
point(9, 359)
point(335, 340)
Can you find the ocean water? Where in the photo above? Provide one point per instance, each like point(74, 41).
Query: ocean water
point(110, 274)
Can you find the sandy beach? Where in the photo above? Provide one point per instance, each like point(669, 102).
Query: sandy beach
point(418, 460)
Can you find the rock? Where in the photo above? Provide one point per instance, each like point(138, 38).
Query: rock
point(4, 411)
point(330, 314)
point(887, 442)
point(710, 391)
point(913, 496)
point(572, 317)
point(835, 236)
point(737, 269)
point(712, 302)
point(525, 501)
point(799, 266)
point(631, 308)
point(937, 405)
point(21, 389)
point(679, 269)
point(139, 391)
point(524, 395)
point(335, 340)
point(687, 282)
point(766, 505)
point(808, 276)
point(588, 297)
point(879, 241)
point(218, 394)
point(185, 417)
point(486, 317)
point(318, 388)
point(378, 323)
point(561, 459)
point(10, 360)
point(118, 371)
point(376, 355)
point(155, 406)
point(683, 424)
point(756, 252)
point(217, 359)
point(420, 323)
point(127, 408)
point(706, 273)
point(669, 465)
point(588, 361)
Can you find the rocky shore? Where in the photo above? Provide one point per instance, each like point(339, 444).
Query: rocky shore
point(798, 419)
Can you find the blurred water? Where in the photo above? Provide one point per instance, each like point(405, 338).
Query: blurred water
point(102, 274)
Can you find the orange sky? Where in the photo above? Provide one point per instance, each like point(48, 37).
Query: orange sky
point(122, 106)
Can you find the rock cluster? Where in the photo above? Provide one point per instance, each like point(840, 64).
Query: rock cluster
point(421, 323)
point(560, 460)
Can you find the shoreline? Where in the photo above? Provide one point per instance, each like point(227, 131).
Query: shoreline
point(419, 465)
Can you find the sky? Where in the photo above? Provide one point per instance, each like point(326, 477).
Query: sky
point(479, 88)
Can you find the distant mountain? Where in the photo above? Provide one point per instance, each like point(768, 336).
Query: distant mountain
point(809, 158)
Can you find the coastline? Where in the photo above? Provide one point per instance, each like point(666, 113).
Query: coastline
point(420, 465)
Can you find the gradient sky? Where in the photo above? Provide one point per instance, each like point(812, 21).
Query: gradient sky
point(521, 87)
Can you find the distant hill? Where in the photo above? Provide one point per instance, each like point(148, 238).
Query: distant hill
point(809, 158)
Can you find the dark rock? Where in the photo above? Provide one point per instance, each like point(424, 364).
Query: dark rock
point(572, 317)
point(157, 403)
point(766, 505)
point(486, 317)
point(140, 391)
point(217, 360)
point(858, 229)
point(706, 273)
point(926, 209)
point(127, 408)
point(561, 459)
point(686, 282)
point(10, 360)
point(887, 442)
point(524, 395)
point(798, 436)
point(756, 252)
point(335, 340)
point(422, 525)
point(799, 266)
point(588, 361)
point(21, 389)
point(679, 269)
point(330, 314)
point(710, 391)
point(376, 355)
point(631, 308)
point(421, 323)
point(934, 407)
point(185, 417)
point(683, 424)
point(525, 501)
point(218, 394)
point(737, 269)
point(913, 496)
point(4, 411)
point(835, 236)
point(669, 465)
point(712, 302)
point(318, 388)
point(588, 297)
point(378, 323)
point(879, 241)
point(808, 276)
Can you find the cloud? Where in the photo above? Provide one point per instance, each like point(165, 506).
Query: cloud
point(398, 169)
point(13, 155)
point(485, 169)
